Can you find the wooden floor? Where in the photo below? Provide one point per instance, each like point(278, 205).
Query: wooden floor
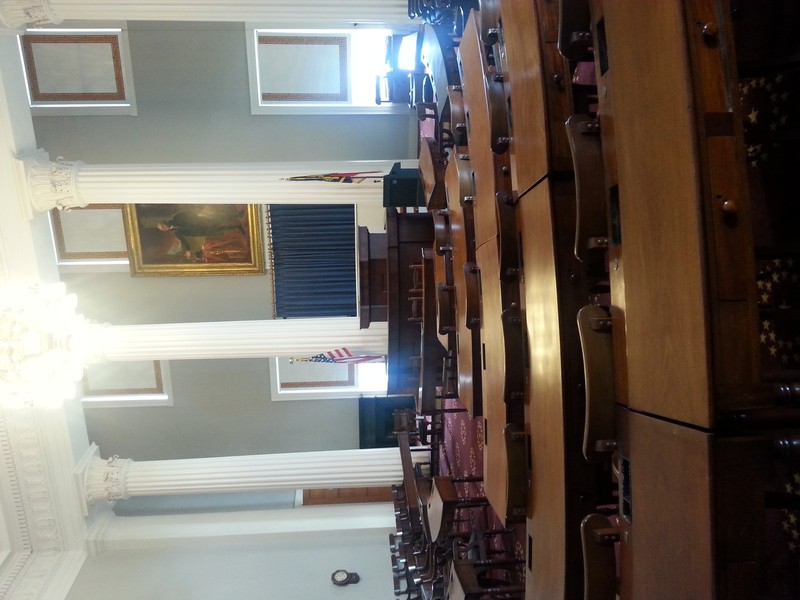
point(600, 174)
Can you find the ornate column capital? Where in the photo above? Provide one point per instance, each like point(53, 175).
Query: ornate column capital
point(105, 478)
point(51, 184)
point(20, 13)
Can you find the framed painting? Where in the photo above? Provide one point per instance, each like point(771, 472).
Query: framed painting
point(194, 239)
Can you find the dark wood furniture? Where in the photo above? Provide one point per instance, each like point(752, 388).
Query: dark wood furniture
point(376, 427)
point(372, 267)
point(407, 234)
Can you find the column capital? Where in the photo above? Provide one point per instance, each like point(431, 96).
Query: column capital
point(51, 184)
point(21, 13)
point(104, 478)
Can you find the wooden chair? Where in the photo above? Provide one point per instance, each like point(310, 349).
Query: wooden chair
point(574, 35)
point(458, 118)
point(599, 563)
point(442, 504)
point(591, 232)
point(507, 238)
point(489, 21)
point(599, 433)
point(517, 449)
point(469, 580)
point(431, 169)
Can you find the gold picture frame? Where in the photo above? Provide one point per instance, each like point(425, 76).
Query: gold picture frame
point(194, 239)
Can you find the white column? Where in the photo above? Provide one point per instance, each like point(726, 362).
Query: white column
point(61, 184)
point(295, 13)
point(115, 478)
point(235, 339)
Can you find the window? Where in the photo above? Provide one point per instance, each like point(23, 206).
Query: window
point(78, 71)
point(316, 71)
point(127, 384)
point(306, 380)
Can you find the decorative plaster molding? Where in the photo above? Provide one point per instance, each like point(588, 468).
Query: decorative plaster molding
point(40, 575)
point(12, 570)
point(45, 532)
point(27, 471)
point(21, 13)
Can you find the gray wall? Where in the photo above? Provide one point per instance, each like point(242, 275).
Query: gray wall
point(192, 93)
point(120, 299)
point(295, 566)
point(222, 408)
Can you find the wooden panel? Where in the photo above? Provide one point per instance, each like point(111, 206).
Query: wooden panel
point(347, 495)
point(659, 193)
point(666, 549)
point(615, 250)
point(547, 15)
point(528, 117)
point(558, 94)
point(706, 34)
point(495, 465)
point(546, 524)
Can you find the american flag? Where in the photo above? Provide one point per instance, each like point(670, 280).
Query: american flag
point(355, 177)
point(341, 356)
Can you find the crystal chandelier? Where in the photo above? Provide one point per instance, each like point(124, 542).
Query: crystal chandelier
point(42, 354)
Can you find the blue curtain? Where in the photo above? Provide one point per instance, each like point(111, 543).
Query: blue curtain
point(313, 250)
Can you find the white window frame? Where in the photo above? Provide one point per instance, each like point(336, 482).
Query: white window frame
point(257, 107)
point(125, 107)
point(279, 394)
point(134, 400)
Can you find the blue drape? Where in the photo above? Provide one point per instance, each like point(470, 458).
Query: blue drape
point(313, 250)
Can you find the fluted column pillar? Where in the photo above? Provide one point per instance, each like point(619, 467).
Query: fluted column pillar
point(61, 184)
point(278, 13)
point(235, 339)
point(115, 478)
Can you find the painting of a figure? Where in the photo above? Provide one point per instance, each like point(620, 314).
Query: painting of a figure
point(194, 239)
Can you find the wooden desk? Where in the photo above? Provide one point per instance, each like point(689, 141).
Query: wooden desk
point(685, 258)
point(539, 92)
point(676, 140)
point(730, 534)
point(667, 548)
point(487, 121)
point(563, 486)
point(503, 390)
